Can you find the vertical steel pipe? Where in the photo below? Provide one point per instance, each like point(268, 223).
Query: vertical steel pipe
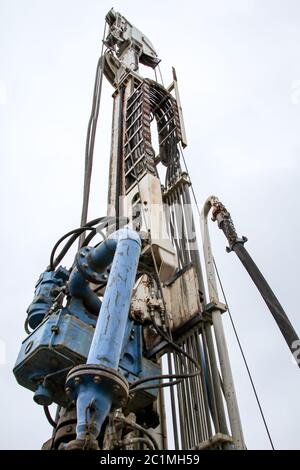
point(110, 329)
point(228, 383)
point(93, 399)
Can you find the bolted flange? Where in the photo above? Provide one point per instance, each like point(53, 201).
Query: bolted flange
point(85, 267)
point(104, 377)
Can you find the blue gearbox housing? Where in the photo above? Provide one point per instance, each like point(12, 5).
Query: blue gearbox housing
point(62, 338)
point(46, 289)
point(61, 341)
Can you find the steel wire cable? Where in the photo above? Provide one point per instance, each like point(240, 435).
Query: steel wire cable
point(49, 417)
point(244, 358)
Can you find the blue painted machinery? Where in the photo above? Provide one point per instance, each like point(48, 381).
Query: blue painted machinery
point(87, 351)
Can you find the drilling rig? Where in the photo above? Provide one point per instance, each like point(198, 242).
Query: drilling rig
point(130, 324)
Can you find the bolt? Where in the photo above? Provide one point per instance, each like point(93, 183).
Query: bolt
point(116, 388)
point(84, 265)
point(68, 391)
point(82, 255)
point(77, 380)
point(97, 379)
point(69, 428)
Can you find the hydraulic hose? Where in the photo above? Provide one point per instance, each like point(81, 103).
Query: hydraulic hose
point(236, 244)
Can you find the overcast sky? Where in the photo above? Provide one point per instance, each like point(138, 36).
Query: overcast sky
point(238, 66)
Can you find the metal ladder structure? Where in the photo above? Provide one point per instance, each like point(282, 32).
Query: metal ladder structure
point(201, 403)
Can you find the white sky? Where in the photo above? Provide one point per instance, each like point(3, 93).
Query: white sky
point(238, 68)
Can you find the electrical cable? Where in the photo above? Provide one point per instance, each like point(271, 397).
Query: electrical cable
point(90, 237)
point(49, 417)
point(161, 377)
point(134, 388)
point(107, 221)
point(26, 326)
point(90, 138)
point(139, 428)
point(103, 223)
point(175, 346)
point(244, 359)
point(150, 387)
point(76, 232)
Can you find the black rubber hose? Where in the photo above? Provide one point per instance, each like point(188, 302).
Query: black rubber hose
point(89, 145)
point(175, 346)
point(269, 297)
point(75, 234)
point(49, 417)
point(139, 428)
point(122, 221)
point(161, 377)
point(150, 387)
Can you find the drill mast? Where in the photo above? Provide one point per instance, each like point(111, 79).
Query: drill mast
point(126, 342)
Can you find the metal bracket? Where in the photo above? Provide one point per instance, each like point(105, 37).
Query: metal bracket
point(242, 240)
point(177, 274)
point(109, 378)
point(212, 307)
